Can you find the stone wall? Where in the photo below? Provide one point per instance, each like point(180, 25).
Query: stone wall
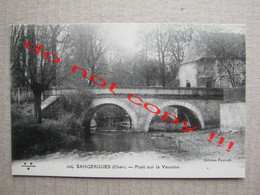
point(234, 94)
point(232, 116)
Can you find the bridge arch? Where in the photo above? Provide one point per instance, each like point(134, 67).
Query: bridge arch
point(196, 112)
point(97, 103)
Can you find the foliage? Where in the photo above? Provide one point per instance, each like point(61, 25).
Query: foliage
point(158, 125)
point(30, 138)
point(77, 102)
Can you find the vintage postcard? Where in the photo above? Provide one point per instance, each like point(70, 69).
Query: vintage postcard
point(128, 100)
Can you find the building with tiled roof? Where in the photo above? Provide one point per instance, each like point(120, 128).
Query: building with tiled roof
point(213, 60)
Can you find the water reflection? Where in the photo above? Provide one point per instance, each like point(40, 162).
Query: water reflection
point(120, 141)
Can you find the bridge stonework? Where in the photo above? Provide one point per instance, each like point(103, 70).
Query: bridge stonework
point(202, 103)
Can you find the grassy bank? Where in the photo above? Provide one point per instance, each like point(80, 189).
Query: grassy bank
point(30, 138)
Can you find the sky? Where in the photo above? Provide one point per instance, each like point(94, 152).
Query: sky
point(126, 35)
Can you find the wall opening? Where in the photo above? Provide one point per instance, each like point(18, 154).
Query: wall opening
point(181, 112)
point(107, 117)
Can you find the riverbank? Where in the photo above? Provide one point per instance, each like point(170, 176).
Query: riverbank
point(195, 144)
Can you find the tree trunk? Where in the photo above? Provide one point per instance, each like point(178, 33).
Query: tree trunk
point(147, 75)
point(90, 83)
point(147, 80)
point(37, 108)
point(163, 77)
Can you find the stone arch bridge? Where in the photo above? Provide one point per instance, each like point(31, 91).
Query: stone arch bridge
point(200, 103)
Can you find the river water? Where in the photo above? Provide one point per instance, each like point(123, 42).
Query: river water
point(123, 143)
point(177, 145)
point(120, 141)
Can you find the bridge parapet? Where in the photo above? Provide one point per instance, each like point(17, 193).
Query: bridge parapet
point(179, 93)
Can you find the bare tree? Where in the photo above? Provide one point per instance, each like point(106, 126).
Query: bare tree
point(168, 44)
point(125, 72)
point(180, 37)
point(144, 56)
point(88, 49)
point(228, 50)
point(162, 42)
point(32, 69)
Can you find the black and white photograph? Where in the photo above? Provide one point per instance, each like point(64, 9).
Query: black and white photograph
point(128, 100)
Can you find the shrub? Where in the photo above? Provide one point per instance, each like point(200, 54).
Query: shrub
point(29, 138)
point(77, 102)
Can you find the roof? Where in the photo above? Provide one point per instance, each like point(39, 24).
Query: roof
point(198, 47)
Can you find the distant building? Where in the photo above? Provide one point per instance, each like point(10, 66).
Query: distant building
point(201, 67)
